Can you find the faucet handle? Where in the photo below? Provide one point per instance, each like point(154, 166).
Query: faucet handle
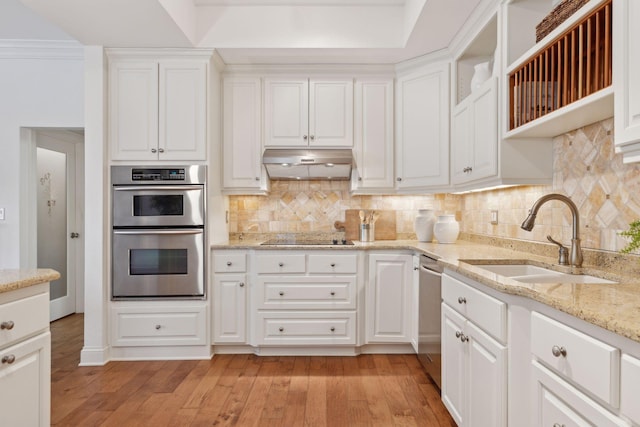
point(563, 252)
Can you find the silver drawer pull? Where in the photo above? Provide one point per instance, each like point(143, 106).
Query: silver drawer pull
point(333, 264)
point(8, 325)
point(333, 294)
point(241, 284)
point(281, 293)
point(281, 264)
point(333, 329)
point(558, 425)
point(558, 351)
point(281, 329)
point(229, 263)
point(464, 338)
point(158, 327)
point(9, 358)
point(462, 300)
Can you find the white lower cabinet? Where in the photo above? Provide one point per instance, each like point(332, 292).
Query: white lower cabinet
point(630, 387)
point(25, 354)
point(388, 295)
point(229, 297)
point(474, 373)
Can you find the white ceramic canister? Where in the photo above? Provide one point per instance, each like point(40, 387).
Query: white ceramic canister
point(423, 225)
point(481, 74)
point(446, 229)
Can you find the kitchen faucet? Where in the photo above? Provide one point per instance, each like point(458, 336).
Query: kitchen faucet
point(575, 257)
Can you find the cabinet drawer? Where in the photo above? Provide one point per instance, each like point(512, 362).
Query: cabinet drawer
point(560, 404)
point(483, 310)
point(158, 326)
point(304, 328)
point(307, 292)
point(630, 387)
point(333, 263)
point(23, 317)
point(229, 262)
point(281, 263)
point(577, 357)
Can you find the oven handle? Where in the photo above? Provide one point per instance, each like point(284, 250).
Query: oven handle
point(157, 187)
point(135, 232)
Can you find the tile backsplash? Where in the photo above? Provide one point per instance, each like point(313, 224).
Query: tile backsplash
point(606, 191)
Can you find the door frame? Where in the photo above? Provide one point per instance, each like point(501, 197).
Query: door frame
point(28, 202)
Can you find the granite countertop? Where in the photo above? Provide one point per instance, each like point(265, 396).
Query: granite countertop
point(11, 280)
point(614, 307)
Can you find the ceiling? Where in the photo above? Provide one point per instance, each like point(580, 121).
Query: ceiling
point(249, 31)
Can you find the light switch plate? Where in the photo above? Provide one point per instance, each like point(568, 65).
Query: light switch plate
point(1, 214)
point(494, 217)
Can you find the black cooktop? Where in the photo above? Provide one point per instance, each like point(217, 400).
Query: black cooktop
point(306, 242)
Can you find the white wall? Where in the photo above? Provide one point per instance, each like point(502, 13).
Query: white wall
point(41, 85)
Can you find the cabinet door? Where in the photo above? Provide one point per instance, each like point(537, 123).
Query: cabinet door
point(486, 380)
point(626, 78)
point(133, 110)
point(286, 112)
point(26, 383)
point(242, 146)
point(485, 131)
point(331, 113)
point(461, 142)
point(182, 111)
point(422, 152)
point(229, 308)
point(373, 135)
point(389, 298)
point(454, 357)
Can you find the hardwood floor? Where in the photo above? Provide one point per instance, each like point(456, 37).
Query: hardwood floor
point(240, 390)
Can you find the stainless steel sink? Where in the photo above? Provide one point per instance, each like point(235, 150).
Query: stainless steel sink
point(527, 273)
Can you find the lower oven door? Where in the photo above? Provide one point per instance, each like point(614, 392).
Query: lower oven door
point(154, 263)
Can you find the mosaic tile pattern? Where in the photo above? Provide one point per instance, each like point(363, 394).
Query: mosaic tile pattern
point(586, 168)
point(314, 206)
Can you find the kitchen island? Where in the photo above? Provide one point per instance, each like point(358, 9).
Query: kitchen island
point(25, 346)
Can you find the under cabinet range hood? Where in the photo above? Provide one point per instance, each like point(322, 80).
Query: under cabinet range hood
point(299, 164)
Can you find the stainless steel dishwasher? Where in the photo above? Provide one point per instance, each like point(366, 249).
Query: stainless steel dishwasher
point(430, 297)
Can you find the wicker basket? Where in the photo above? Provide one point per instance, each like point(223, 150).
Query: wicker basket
point(557, 16)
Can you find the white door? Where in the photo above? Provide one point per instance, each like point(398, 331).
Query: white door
point(286, 112)
point(59, 190)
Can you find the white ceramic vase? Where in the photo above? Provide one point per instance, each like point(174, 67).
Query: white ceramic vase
point(446, 229)
point(423, 225)
point(481, 74)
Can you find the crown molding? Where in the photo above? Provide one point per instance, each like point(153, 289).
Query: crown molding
point(41, 49)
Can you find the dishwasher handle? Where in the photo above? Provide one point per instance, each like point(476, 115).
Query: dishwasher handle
point(426, 270)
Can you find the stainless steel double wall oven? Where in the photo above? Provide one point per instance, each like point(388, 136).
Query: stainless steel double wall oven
point(158, 235)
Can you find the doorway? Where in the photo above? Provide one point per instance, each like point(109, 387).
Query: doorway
point(59, 184)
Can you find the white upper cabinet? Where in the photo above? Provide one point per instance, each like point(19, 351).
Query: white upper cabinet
point(422, 129)
point(158, 108)
point(242, 143)
point(308, 112)
point(373, 136)
point(626, 78)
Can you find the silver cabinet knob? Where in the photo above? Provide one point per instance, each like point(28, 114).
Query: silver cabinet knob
point(257, 178)
point(458, 334)
point(312, 137)
point(333, 294)
point(74, 235)
point(333, 264)
point(359, 178)
point(398, 179)
point(558, 351)
point(153, 150)
point(464, 338)
point(229, 263)
point(558, 425)
point(462, 300)
point(304, 137)
point(8, 325)
point(160, 150)
point(281, 293)
point(281, 329)
point(241, 284)
point(333, 329)
point(8, 359)
point(158, 327)
point(281, 264)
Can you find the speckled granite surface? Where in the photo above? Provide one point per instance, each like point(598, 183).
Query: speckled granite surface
point(615, 307)
point(10, 280)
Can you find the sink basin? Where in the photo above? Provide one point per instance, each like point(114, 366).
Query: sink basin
point(527, 273)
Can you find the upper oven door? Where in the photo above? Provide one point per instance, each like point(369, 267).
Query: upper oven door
point(158, 205)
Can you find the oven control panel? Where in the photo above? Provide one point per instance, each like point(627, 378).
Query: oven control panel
point(155, 174)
